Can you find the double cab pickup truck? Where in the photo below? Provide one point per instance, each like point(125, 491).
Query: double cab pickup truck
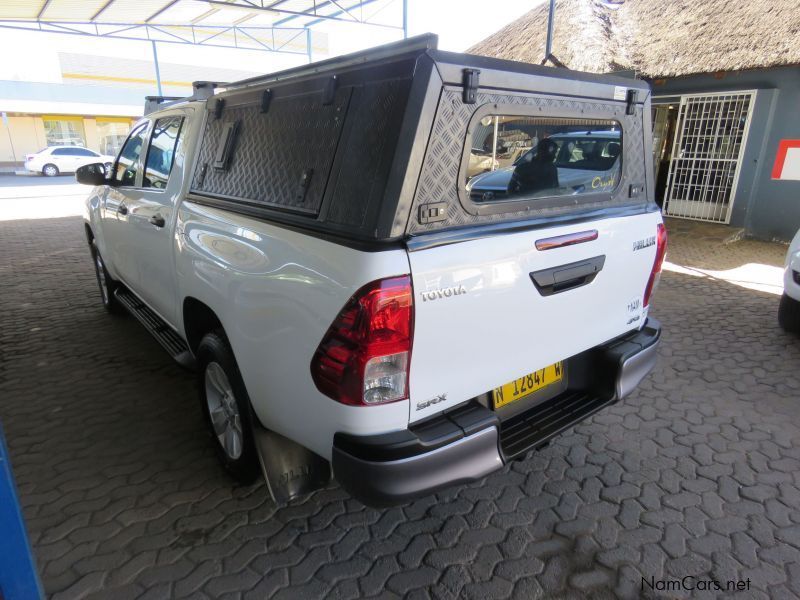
point(401, 268)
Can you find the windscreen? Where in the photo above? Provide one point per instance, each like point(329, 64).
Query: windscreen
point(522, 157)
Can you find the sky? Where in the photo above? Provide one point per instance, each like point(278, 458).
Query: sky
point(462, 23)
point(458, 23)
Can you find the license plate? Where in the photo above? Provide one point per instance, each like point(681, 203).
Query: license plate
point(524, 386)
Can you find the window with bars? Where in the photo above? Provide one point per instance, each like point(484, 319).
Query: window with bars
point(706, 155)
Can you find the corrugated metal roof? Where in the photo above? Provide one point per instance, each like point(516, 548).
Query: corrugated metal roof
point(275, 25)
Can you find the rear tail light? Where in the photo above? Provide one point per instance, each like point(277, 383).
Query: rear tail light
point(365, 355)
point(661, 252)
point(29, 156)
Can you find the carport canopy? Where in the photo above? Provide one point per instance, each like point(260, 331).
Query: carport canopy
point(287, 26)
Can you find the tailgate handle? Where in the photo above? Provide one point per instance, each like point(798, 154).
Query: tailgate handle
point(567, 277)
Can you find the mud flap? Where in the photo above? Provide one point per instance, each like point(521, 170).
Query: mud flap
point(291, 470)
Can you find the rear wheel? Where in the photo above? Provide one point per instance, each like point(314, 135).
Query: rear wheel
point(104, 281)
point(789, 314)
point(50, 170)
point(226, 407)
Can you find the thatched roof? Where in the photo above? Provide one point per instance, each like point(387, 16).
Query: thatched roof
point(657, 38)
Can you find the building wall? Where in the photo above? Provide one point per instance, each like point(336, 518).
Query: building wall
point(102, 94)
point(25, 134)
point(766, 208)
point(92, 137)
point(20, 135)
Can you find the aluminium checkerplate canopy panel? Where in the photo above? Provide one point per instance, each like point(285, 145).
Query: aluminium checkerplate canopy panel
point(274, 151)
point(439, 178)
point(360, 146)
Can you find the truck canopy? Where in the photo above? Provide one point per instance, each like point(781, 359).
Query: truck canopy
point(405, 142)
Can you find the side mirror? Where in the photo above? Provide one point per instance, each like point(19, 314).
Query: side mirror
point(92, 174)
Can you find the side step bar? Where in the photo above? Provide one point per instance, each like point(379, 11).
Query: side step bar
point(164, 334)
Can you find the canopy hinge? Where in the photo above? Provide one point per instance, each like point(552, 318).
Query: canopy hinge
point(471, 83)
point(329, 95)
point(630, 101)
point(266, 99)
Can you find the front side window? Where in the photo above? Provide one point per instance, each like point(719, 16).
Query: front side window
point(84, 152)
point(127, 164)
point(161, 153)
point(520, 157)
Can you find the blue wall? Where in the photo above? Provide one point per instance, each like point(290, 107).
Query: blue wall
point(18, 578)
point(766, 208)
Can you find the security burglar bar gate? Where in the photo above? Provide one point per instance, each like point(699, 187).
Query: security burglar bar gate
point(710, 137)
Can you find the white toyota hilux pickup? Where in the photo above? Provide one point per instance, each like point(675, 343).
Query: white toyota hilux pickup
point(309, 241)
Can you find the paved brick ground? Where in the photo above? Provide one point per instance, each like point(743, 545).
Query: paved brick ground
point(695, 474)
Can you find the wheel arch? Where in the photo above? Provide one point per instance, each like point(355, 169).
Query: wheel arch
point(87, 229)
point(198, 320)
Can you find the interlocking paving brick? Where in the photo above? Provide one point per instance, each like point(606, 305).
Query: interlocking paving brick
point(693, 474)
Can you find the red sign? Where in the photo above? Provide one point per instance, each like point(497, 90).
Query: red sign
point(787, 161)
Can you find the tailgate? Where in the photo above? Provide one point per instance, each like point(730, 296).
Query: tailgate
point(480, 321)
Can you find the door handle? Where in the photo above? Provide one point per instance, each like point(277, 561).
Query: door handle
point(567, 277)
point(122, 209)
point(157, 220)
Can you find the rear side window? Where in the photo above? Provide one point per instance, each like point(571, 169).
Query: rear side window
point(523, 158)
point(61, 152)
point(127, 165)
point(161, 153)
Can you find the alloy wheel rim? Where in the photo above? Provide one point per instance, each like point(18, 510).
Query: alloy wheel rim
point(223, 410)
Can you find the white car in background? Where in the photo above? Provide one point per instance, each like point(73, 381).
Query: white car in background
point(55, 160)
point(789, 310)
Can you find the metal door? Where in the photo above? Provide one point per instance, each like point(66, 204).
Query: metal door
point(706, 155)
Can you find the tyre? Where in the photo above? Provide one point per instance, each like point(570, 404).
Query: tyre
point(226, 407)
point(789, 314)
point(50, 170)
point(104, 281)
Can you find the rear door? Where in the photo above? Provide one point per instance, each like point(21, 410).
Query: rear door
point(64, 159)
point(151, 210)
point(83, 156)
point(508, 302)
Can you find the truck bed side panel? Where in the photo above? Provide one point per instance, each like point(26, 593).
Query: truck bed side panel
point(276, 292)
